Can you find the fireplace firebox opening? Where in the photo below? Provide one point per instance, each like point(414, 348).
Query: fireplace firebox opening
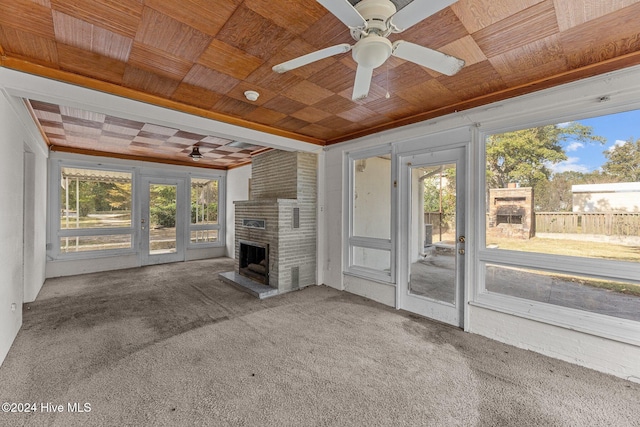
point(254, 261)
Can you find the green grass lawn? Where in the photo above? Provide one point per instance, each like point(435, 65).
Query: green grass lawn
point(569, 247)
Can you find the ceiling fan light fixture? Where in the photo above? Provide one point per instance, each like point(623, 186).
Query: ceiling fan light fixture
point(372, 51)
point(195, 153)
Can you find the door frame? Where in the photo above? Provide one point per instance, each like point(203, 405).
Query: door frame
point(143, 221)
point(422, 305)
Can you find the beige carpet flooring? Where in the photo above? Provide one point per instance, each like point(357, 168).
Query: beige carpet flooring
point(173, 345)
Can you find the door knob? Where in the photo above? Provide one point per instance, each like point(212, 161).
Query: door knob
point(461, 251)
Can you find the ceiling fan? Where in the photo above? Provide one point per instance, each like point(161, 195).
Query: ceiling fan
point(371, 22)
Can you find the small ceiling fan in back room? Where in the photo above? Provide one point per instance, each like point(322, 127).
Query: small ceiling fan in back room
point(371, 22)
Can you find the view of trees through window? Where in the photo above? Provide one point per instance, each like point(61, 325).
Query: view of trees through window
point(204, 201)
point(94, 199)
point(440, 202)
point(567, 189)
point(204, 209)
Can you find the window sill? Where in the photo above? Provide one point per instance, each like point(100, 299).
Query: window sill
point(370, 275)
point(622, 330)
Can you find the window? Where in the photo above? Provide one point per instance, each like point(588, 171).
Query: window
point(94, 210)
point(562, 224)
point(369, 253)
point(204, 227)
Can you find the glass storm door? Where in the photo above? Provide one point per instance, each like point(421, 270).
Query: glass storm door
point(161, 224)
point(433, 232)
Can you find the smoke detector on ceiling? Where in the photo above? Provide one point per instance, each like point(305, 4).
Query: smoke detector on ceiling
point(251, 95)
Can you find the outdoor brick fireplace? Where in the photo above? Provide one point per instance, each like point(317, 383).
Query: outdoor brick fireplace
point(511, 212)
point(279, 219)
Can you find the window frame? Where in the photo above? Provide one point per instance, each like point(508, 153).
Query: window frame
point(221, 214)
point(352, 241)
point(57, 233)
point(619, 329)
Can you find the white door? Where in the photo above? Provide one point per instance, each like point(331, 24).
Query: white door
point(161, 224)
point(433, 235)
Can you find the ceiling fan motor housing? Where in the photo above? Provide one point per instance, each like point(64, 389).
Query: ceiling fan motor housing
point(376, 13)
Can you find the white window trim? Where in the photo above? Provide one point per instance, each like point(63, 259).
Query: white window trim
point(623, 330)
point(56, 233)
point(360, 241)
point(221, 214)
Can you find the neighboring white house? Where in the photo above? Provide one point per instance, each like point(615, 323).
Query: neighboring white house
point(610, 197)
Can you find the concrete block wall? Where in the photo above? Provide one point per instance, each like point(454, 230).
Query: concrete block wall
point(274, 175)
point(281, 182)
point(296, 246)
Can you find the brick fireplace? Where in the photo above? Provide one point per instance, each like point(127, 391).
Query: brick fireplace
point(281, 217)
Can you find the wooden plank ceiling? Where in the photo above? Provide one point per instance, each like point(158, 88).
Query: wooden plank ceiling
point(200, 56)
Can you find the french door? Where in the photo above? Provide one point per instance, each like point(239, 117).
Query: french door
point(433, 234)
point(162, 222)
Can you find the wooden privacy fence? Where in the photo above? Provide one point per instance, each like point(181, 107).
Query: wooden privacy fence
point(605, 223)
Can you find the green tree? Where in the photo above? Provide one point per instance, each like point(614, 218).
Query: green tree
point(525, 156)
point(204, 202)
point(441, 199)
point(623, 161)
point(556, 195)
point(162, 205)
point(119, 196)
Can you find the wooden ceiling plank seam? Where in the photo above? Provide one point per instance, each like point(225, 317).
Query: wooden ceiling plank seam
point(91, 65)
point(534, 23)
point(121, 17)
point(205, 16)
point(228, 59)
point(170, 35)
point(29, 46)
point(157, 61)
point(29, 17)
point(478, 14)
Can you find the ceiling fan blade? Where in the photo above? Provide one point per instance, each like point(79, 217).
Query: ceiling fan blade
point(438, 61)
point(311, 57)
point(415, 12)
point(362, 83)
point(344, 11)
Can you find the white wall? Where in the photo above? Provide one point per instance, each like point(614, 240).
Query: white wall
point(16, 257)
point(237, 189)
point(331, 249)
point(593, 97)
point(35, 227)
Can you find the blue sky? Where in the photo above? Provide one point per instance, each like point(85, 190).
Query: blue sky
point(616, 128)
